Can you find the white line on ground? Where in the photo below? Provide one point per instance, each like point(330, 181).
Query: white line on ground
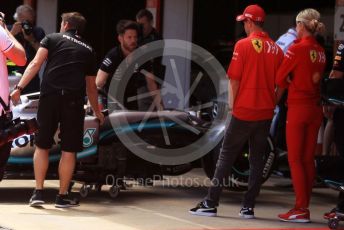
point(170, 217)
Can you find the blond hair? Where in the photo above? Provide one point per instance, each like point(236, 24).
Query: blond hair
point(311, 19)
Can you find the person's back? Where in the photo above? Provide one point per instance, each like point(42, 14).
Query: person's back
point(69, 74)
point(259, 58)
point(252, 84)
point(307, 60)
point(302, 70)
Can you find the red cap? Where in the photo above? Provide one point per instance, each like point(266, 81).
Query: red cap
point(253, 12)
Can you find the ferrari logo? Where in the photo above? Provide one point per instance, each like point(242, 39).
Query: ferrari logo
point(257, 45)
point(313, 55)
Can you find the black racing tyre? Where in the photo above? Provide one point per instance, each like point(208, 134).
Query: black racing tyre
point(333, 223)
point(240, 170)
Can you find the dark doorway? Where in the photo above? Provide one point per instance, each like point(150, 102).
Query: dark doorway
point(215, 28)
point(8, 7)
point(102, 17)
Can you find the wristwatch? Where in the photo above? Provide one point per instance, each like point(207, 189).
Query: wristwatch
point(18, 87)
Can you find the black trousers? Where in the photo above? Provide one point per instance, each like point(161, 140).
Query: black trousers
point(236, 136)
point(338, 122)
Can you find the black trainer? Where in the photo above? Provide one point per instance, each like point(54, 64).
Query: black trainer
point(36, 198)
point(66, 201)
point(203, 209)
point(247, 213)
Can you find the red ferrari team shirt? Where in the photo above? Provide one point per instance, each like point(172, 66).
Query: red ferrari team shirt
point(254, 63)
point(301, 71)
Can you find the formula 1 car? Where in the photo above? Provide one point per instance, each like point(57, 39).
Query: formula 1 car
point(105, 160)
point(108, 160)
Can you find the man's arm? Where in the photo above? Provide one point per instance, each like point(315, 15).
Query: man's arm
point(17, 52)
point(154, 90)
point(30, 72)
point(233, 87)
point(92, 94)
point(101, 78)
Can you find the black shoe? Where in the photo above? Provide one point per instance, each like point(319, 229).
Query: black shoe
point(202, 209)
point(66, 201)
point(36, 198)
point(247, 213)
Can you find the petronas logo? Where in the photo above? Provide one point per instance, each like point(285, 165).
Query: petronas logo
point(88, 137)
point(257, 45)
point(313, 55)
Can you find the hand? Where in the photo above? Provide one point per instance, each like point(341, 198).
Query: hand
point(100, 117)
point(16, 28)
point(2, 20)
point(15, 96)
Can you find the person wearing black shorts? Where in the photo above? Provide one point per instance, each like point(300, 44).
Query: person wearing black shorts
point(70, 71)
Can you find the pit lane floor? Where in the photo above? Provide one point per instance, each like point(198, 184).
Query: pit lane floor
point(163, 206)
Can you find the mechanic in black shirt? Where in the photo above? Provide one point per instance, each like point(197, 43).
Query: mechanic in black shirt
point(29, 37)
point(337, 115)
point(127, 36)
point(147, 35)
point(70, 71)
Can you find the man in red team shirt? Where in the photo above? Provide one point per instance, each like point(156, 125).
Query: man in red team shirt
point(252, 73)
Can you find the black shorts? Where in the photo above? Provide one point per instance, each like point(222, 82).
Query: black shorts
point(63, 111)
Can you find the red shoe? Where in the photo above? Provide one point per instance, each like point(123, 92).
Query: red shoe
point(300, 215)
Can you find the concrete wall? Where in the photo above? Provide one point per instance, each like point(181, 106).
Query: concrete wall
point(177, 24)
point(47, 15)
